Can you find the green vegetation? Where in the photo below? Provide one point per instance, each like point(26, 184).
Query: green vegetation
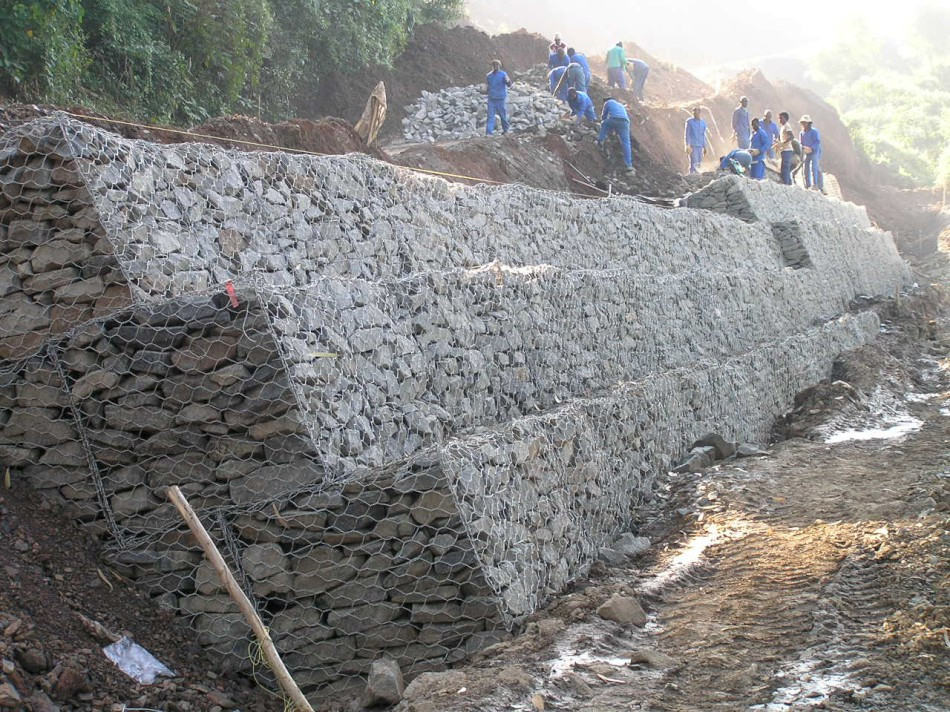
point(895, 99)
point(182, 61)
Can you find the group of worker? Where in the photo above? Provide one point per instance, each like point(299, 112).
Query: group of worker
point(569, 77)
point(758, 139)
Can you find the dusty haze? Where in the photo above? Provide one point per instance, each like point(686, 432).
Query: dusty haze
point(708, 38)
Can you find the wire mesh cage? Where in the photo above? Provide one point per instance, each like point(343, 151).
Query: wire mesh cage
point(408, 412)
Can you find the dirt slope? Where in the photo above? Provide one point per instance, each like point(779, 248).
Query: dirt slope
point(53, 573)
point(666, 83)
point(435, 58)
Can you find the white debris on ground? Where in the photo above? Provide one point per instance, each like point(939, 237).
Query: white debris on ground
point(882, 416)
point(461, 112)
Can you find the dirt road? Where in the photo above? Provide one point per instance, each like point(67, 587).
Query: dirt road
point(815, 578)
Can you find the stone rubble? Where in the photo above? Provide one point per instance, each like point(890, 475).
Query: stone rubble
point(461, 112)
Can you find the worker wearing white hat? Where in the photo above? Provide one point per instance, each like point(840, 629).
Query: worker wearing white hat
point(811, 145)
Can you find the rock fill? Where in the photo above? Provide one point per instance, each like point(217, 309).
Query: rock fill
point(409, 411)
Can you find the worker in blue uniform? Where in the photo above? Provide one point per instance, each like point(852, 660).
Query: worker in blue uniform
point(740, 124)
point(696, 139)
point(558, 58)
point(811, 146)
point(615, 119)
point(759, 146)
point(575, 77)
point(772, 129)
point(581, 59)
point(497, 82)
point(737, 161)
point(638, 71)
point(558, 88)
point(581, 105)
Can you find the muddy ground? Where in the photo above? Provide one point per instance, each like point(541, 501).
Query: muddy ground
point(816, 577)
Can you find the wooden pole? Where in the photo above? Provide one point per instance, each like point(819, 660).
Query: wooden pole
point(284, 679)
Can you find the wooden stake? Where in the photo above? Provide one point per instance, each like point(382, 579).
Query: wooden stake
point(284, 679)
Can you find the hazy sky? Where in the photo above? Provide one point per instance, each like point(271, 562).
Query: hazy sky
point(694, 33)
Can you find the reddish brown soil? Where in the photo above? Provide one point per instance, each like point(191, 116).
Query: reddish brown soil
point(326, 136)
point(50, 568)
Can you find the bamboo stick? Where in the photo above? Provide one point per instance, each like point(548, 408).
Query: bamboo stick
point(284, 679)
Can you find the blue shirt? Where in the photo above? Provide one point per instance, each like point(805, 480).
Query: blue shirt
point(740, 121)
point(581, 105)
point(613, 109)
point(639, 67)
point(740, 156)
point(772, 129)
point(811, 139)
point(761, 142)
point(696, 132)
point(554, 61)
point(582, 60)
point(497, 84)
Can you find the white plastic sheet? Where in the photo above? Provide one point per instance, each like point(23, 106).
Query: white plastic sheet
point(136, 662)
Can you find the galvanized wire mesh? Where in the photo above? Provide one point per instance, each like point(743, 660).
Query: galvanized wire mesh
point(409, 412)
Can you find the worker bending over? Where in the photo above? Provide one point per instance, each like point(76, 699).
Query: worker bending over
point(791, 152)
point(558, 82)
point(497, 82)
point(695, 139)
point(737, 161)
point(558, 58)
point(616, 120)
point(581, 106)
point(638, 70)
point(616, 62)
point(581, 59)
point(759, 148)
point(740, 124)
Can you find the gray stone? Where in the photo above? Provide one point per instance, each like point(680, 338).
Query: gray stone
point(624, 610)
point(384, 686)
point(724, 448)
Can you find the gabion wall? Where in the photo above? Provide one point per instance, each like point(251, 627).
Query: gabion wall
point(410, 412)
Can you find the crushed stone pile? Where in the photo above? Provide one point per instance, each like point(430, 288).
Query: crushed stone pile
point(460, 112)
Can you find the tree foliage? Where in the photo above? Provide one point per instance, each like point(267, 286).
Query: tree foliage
point(184, 60)
point(894, 99)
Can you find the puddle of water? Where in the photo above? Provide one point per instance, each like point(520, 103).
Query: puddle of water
point(565, 662)
point(682, 562)
point(889, 430)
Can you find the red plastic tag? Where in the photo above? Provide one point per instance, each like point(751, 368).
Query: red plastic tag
point(232, 294)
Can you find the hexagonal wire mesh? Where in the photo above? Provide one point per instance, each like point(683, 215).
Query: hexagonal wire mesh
point(393, 452)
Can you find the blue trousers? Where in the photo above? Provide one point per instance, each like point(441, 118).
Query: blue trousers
point(744, 139)
point(695, 158)
point(787, 167)
point(813, 174)
point(500, 107)
point(622, 128)
point(757, 172)
point(639, 81)
point(616, 78)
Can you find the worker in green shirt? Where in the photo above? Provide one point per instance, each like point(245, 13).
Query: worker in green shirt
point(616, 64)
